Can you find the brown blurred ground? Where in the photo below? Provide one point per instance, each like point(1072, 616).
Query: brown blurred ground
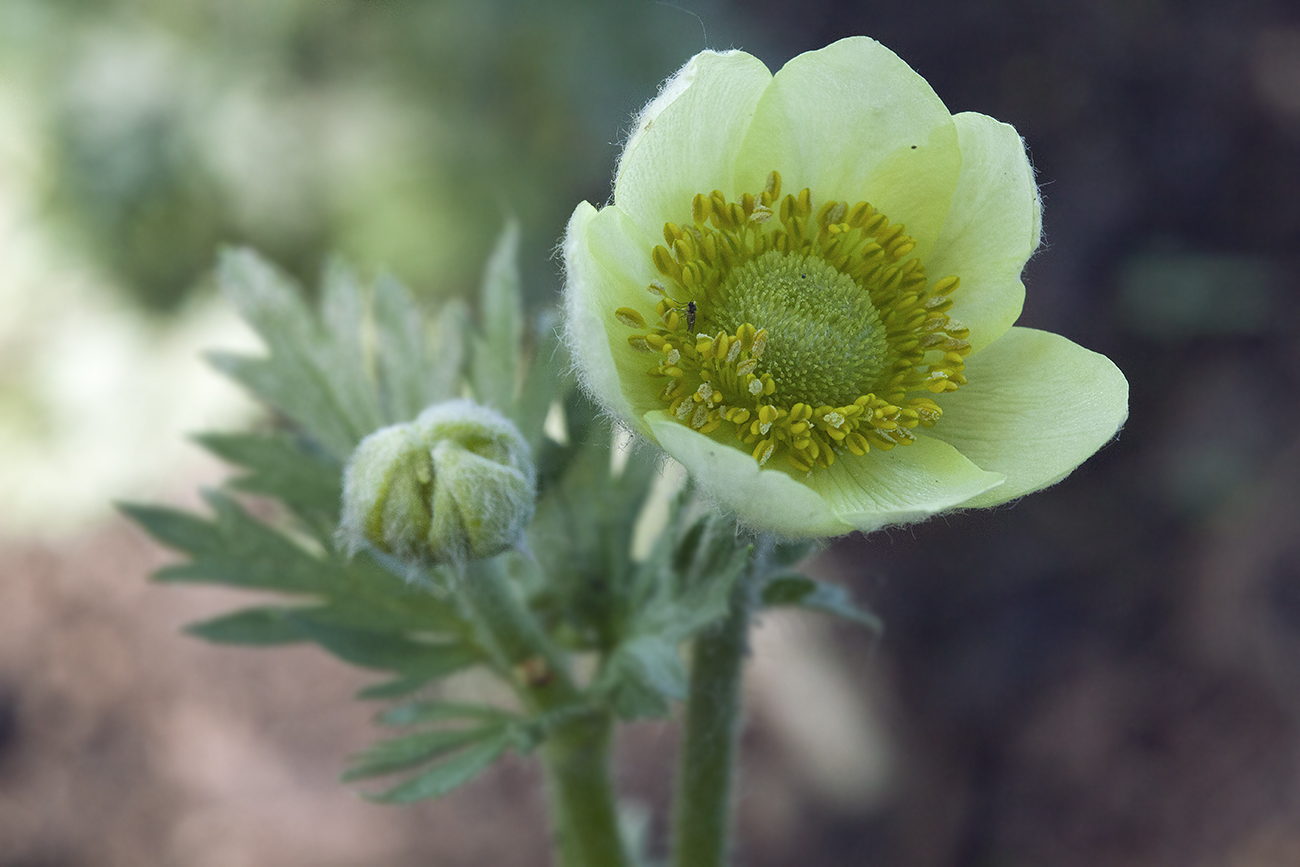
point(124, 743)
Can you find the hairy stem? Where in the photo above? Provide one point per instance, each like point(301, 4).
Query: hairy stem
point(577, 746)
point(703, 813)
point(584, 817)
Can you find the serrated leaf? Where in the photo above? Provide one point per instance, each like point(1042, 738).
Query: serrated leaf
point(715, 550)
point(495, 371)
point(549, 379)
point(642, 676)
point(582, 535)
point(343, 314)
point(449, 351)
point(442, 711)
point(284, 467)
point(708, 599)
point(367, 616)
point(258, 627)
point(180, 531)
point(683, 587)
point(408, 610)
point(234, 549)
point(398, 754)
point(398, 687)
point(301, 397)
point(455, 771)
point(386, 651)
point(696, 583)
point(804, 592)
point(632, 700)
point(298, 378)
point(237, 550)
point(402, 354)
point(368, 595)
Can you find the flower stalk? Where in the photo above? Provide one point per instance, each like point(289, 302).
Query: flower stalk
point(704, 802)
point(583, 811)
point(577, 747)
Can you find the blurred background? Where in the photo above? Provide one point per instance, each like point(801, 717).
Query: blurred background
point(1107, 673)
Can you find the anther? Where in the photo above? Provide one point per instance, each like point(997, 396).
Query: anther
point(629, 317)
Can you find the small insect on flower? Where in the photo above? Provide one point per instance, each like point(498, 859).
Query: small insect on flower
point(690, 315)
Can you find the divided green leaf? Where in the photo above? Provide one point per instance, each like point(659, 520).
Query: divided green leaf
point(259, 627)
point(408, 751)
point(285, 467)
point(358, 611)
point(582, 536)
point(413, 374)
point(643, 675)
point(387, 651)
point(314, 373)
point(335, 376)
point(319, 371)
point(442, 711)
point(459, 768)
point(495, 371)
point(684, 587)
point(549, 380)
point(799, 591)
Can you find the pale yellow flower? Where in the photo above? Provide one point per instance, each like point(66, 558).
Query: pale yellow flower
point(804, 291)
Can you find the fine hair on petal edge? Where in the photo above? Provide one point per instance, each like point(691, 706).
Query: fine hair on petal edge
point(669, 91)
point(1042, 244)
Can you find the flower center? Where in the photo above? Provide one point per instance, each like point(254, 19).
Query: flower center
point(806, 334)
point(825, 342)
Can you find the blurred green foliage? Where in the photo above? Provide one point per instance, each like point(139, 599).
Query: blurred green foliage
point(396, 133)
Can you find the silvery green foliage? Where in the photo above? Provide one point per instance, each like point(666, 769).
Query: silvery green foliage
point(365, 365)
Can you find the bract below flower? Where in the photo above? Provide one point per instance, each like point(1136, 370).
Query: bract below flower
point(804, 291)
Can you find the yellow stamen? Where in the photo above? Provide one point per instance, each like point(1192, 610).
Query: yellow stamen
point(629, 317)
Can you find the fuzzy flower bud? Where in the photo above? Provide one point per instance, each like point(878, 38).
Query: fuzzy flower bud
point(458, 483)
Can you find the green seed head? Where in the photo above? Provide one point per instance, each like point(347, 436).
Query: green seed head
point(825, 343)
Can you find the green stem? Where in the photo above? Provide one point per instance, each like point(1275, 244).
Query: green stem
point(511, 634)
point(577, 746)
point(710, 730)
point(584, 817)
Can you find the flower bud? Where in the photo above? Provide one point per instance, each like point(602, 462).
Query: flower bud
point(456, 484)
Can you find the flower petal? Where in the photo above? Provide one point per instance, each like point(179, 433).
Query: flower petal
point(853, 122)
point(686, 140)
point(900, 486)
point(864, 493)
point(993, 227)
point(765, 498)
point(1036, 407)
point(607, 266)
